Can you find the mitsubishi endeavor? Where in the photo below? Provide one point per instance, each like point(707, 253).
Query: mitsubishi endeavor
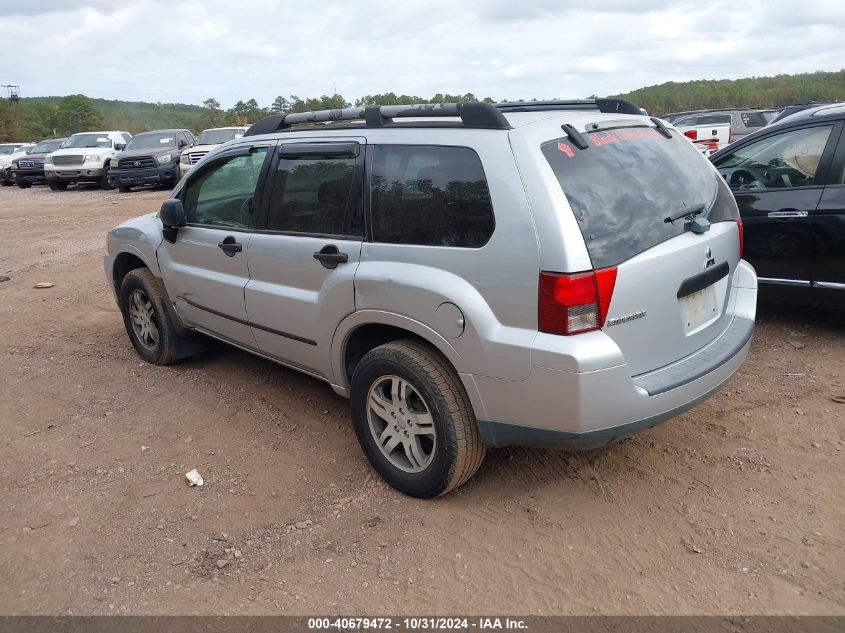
point(558, 274)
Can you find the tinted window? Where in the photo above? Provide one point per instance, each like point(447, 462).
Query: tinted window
point(434, 196)
point(314, 195)
point(715, 119)
point(627, 181)
point(790, 159)
point(152, 141)
point(754, 119)
point(222, 195)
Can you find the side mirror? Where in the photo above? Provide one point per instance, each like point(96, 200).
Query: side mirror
point(172, 216)
point(182, 144)
point(120, 146)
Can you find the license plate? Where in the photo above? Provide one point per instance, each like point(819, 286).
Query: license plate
point(699, 308)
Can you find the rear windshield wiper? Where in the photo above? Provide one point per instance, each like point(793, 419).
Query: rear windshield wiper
point(687, 214)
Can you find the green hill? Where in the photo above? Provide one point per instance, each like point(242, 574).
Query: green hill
point(42, 117)
point(753, 92)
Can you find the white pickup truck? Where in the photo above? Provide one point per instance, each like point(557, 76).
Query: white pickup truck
point(84, 157)
point(709, 133)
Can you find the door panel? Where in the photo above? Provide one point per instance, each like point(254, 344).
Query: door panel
point(778, 181)
point(205, 269)
point(205, 283)
point(829, 235)
point(295, 300)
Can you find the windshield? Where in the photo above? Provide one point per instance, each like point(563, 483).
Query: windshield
point(152, 141)
point(87, 140)
point(45, 147)
point(625, 184)
point(8, 149)
point(215, 137)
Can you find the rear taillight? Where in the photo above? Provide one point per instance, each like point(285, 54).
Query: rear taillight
point(691, 134)
point(741, 235)
point(572, 304)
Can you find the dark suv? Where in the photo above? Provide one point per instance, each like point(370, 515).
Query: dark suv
point(789, 183)
point(29, 170)
point(151, 158)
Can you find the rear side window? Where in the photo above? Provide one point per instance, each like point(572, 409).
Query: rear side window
point(430, 195)
point(314, 196)
point(625, 184)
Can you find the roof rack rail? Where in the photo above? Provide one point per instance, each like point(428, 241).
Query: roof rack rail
point(608, 106)
point(473, 114)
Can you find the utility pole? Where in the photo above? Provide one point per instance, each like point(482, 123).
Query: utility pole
point(14, 92)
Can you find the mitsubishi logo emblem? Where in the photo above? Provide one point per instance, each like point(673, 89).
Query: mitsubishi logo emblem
point(708, 259)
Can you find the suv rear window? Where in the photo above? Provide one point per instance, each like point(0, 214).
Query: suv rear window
point(623, 186)
point(430, 195)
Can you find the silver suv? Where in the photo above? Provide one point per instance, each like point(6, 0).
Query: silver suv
point(555, 274)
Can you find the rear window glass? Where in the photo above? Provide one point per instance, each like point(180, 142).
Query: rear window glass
point(627, 182)
point(430, 195)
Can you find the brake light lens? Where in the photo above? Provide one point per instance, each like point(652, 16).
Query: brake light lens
point(573, 304)
point(691, 134)
point(741, 235)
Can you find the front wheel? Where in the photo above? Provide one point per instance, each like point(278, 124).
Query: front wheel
point(145, 317)
point(24, 185)
point(58, 185)
point(105, 183)
point(414, 420)
point(124, 188)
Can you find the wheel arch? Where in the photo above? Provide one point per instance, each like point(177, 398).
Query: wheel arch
point(364, 330)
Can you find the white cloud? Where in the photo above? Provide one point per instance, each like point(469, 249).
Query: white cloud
point(158, 50)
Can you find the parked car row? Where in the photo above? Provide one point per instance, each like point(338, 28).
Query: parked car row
point(109, 158)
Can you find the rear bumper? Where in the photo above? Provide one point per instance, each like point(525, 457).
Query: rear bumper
point(580, 410)
point(165, 174)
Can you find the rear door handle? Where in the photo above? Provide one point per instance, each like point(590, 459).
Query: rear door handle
point(329, 256)
point(787, 214)
point(230, 246)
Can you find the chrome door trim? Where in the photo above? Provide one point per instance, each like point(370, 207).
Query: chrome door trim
point(791, 213)
point(829, 285)
point(783, 282)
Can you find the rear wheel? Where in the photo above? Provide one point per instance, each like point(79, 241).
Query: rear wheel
point(24, 185)
point(124, 188)
point(414, 420)
point(145, 317)
point(58, 185)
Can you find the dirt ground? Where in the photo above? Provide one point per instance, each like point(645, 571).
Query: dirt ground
point(735, 507)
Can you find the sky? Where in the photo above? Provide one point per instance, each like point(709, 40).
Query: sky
point(188, 50)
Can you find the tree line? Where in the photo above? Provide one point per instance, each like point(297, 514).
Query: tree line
point(46, 117)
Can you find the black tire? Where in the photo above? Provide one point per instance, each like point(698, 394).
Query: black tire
point(58, 185)
point(144, 282)
point(457, 451)
point(105, 183)
point(24, 185)
point(6, 183)
point(124, 188)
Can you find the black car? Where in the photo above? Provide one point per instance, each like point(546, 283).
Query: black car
point(789, 182)
point(151, 158)
point(29, 170)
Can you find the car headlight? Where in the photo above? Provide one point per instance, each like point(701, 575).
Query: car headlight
point(92, 158)
point(48, 160)
point(185, 159)
point(163, 159)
